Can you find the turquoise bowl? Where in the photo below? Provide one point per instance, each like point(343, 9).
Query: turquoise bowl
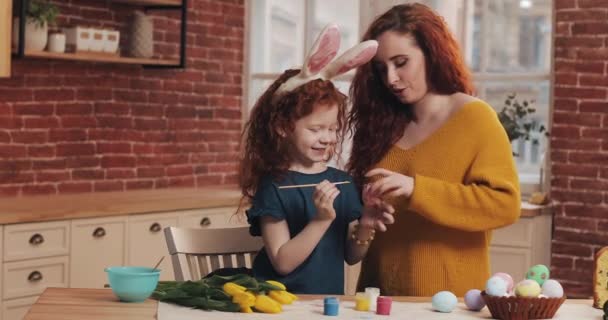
point(133, 284)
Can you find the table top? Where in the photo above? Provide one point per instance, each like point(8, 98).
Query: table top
point(93, 304)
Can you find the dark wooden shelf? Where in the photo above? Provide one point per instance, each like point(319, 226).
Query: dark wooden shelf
point(96, 57)
point(150, 2)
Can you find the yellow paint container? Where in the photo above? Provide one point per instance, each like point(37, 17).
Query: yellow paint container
point(361, 301)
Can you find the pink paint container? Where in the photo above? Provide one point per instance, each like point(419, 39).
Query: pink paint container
point(383, 305)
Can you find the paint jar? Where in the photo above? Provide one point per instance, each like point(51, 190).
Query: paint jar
point(372, 294)
point(383, 305)
point(331, 306)
point(361, 301)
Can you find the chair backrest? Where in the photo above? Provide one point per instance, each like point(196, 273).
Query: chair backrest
point(197, 252)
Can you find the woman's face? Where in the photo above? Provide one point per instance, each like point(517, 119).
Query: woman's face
point(402, 65)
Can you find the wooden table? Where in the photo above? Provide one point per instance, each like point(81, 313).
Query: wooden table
point(94, 304)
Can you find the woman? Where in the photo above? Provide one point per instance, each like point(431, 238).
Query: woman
point(438, 155)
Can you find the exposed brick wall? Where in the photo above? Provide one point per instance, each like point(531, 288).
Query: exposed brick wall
point(70, 127)
point(579, 141)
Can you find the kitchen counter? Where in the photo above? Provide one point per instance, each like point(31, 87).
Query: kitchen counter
point(105, 204)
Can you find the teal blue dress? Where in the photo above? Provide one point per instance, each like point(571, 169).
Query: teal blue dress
point(323, 271)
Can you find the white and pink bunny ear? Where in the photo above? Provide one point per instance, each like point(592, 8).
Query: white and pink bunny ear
point(323, 50)
point(354, 57)
point(317, 64)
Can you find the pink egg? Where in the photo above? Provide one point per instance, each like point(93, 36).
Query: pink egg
point(508, 279)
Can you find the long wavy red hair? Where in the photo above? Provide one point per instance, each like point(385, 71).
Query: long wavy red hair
point(265, 151)
point(377, 118)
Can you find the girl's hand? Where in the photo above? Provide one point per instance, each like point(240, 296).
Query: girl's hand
point(391, 184)
point(323, 198)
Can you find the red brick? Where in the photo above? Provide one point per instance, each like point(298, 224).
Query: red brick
point(150, 124)
point(10, 191)
point(54, 95)
point(594, 133)
point(145, 84)
point(52, 176)
point(572, 144)
point(38, 109)
point(114, 108)
point(581, 15)
point(589, 28)
point(38, 189)
point(118, 162)
point(74, 187)
point(148, 110)
point(180, 170)
point(74, 109)
point(58, 135)
point(103, 186)
point(587, 237)
point(113, 147)
point(588, 158)
point(578, 196)
point(5, 137)
point(590, 4)
point(182, 182)
point(593, 80)
point(83, 162)
point(10, 122)
point(120, 173)
point(209, 180)
point(40, 151)
point(562, 262)
point(41, 122)
point(48, 164)
point(602, 225)
point(29, 136)
point(150, 172)
point(87, 174)
point(163, 97)
point(582, 93)
point(115, 122)
point(16, 95)
point(585, 210)
point(75, 149)
point(578, 41)
point(571, 249)
point(577, 119)
point(12, 151)
point(130, 95)
point(596, 107)
point(16, 177)
point(181, 112)
point(140, 184)
point(579, 67)
point(576, 223)
point(569, 132)
point(78, 122)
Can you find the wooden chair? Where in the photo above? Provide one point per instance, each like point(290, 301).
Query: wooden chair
point(197, 252)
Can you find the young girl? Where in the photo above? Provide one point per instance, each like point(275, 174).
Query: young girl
point(296, 126)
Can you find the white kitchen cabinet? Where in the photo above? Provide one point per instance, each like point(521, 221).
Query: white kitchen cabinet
point(96, 244)
point(16, 309)
point(222, 217)
point(30, 277)
point(146, 244)
point(36, 240)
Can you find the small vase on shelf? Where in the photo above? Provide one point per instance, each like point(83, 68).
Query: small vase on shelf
point(141, 42)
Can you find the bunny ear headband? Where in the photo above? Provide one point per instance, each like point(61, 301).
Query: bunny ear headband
point(319, 65)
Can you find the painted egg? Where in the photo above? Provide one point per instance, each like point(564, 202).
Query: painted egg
point(444, 301)
point(496, 286)
point(473, 300)
point(527, 288)
point(552, 289)
point(538, 273)
point(508, 279)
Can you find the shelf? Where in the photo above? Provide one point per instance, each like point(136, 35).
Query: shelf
point(150, 2)
point(95, 57)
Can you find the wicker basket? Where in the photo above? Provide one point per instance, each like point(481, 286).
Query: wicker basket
point(520, 308)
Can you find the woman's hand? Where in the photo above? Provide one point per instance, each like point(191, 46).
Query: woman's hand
point(391, 184)
point(377, 213)
point(323, 198)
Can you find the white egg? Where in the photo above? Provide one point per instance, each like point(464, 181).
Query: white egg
point(552, 289)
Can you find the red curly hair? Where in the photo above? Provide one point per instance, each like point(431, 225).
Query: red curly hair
point(265, 151)
point(378, 118)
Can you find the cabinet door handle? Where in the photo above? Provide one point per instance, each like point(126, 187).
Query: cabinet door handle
point(99, 232)
point(205, 222)
point(36, 239)
point(35, 276)
point(155, 227)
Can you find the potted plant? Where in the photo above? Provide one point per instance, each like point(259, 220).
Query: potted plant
point(514, 118)
point(39, 15)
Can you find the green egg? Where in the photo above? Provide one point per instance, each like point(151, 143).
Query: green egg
point(538, 273)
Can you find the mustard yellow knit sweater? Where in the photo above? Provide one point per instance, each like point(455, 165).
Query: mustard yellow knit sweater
point(465, 185)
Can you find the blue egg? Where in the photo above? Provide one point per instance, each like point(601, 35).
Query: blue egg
point(444, 301)
point(496, 286)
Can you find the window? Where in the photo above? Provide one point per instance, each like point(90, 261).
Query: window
point(507, 45)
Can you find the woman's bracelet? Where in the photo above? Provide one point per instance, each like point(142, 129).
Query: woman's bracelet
point(362, 242)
